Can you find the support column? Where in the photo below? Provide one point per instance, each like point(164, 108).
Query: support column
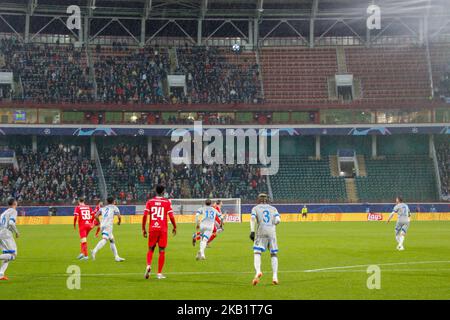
point(149, 146)
point(421, 30)
point(430, 144)
point(368, 37)
point(255, 33)
point(374, 146)
point(92, 140)
point(27, 28)
point(250, 32)
point(311, 33)
point(142, 42)
point(199, 31)
point(34, 143)
point(318, 147)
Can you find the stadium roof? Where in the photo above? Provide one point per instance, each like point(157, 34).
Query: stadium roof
point(194, 9)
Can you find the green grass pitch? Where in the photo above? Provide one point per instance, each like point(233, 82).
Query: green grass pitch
point(422, 271)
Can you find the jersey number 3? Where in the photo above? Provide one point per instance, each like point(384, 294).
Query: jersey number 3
point(157, 213)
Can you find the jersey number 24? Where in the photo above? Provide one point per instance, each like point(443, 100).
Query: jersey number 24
point(157, 213)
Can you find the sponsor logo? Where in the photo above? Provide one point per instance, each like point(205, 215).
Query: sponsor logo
point(374, 217)
point(233, 217)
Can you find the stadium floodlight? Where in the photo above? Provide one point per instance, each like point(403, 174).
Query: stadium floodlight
point(231, 207)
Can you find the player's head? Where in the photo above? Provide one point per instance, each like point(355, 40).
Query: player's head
point(81, 200)
point(208, 202)
point(262, 198)
point(100, 203)
point(219, 203)
point(160, 189)
point(399, 199)
point(110, 200)
point(12, 203)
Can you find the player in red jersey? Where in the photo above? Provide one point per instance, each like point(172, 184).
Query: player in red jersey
point(197, 235)
point(157, 209)
point(95, 221)
point(83, 213)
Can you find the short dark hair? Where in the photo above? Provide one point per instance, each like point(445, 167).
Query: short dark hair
point(80, 199)
point(400, 199)
point(218, 201)
point(208, 202)
point(110, 200)
point(11, 201)
point(160, 189)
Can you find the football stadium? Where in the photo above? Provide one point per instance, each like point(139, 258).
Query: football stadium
point(225, 150)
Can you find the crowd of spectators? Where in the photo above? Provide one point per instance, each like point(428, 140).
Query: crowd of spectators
point(223, 181)
point(131, 175)
point(210, 78)
point(60, 73)
point(48, 73)
point(137, 77)
point(55, 174)
point(443, 158)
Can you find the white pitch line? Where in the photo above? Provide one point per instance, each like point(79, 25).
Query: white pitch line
point(330, 269)
point(377, 264)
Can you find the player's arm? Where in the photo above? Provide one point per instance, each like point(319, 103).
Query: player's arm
point(197, 219)
point(172, 220)
point(12, 225)
point(392, 214)
point(144, 221)
point(277, 218)
point(75, 218)
point(119, 217)
point(253, 225)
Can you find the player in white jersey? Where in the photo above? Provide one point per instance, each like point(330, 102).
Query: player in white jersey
point(264, 219)
point(106, 226)
point(403, 219)
point(7, 243)
point(205, 219)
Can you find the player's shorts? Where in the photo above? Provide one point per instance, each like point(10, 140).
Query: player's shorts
point(401, 227)
point(263, 243)
point(84, 231)
point(8, 245)
point(157, 237)
point(107, 232)
point(304, 214)
point(207, 230)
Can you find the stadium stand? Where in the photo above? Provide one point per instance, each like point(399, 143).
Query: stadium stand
point(293, 74)
point(443, 158)
point(48, 73)
point(397, 73)
point(124, 77)
point(302, 179)
point(212, 77)
point(412, 176)
point(55, 174)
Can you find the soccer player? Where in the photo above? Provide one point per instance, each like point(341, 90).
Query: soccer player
point(264, 219)
point(83, 213)
point(206, 225)
point(106, 226)
point(218, 226)
point(157, 209)
point(7, 243)
point(96, 221)
point(401, 227)
point(304, 212)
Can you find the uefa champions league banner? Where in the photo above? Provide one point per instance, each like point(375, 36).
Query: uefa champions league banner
point(166, 131)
